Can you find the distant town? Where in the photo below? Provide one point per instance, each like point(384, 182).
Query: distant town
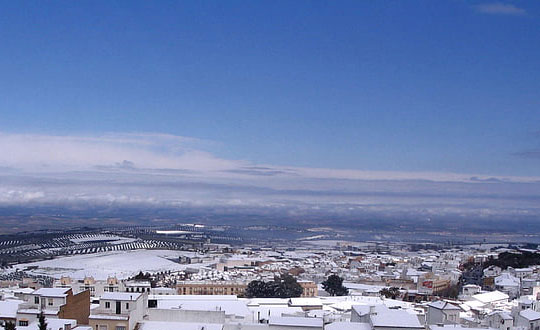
point(195, 276)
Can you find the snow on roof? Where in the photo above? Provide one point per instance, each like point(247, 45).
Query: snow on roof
point(473, 304)
point(23, 290)
point(443, 305)
point(131, 296)
point(36, 311)
point(348, 326)
point(108, 317)
point(361, 309)
point(525, 300)
point(158, 325)
point(455, 327)
point(523, 269)
point(305, 302)
point(504, 315)
point(530, 314)
point(265, 312)
point(230, 307)
point(506, 280)
point(268, 301)
point(194, 297)
point(342, 305)
point(52, 292)
point(51, 324)
point(8, 308)
point(137, 283)
point(309, 322)
point(490, 297)
point(385, 317)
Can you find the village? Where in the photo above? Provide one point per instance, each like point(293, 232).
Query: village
point(384, 286)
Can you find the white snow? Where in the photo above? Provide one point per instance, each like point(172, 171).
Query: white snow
point(122, 264)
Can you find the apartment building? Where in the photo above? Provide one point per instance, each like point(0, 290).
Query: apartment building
point(96, 287)
point(55, 303)
point(118, 311)
point(231, 288)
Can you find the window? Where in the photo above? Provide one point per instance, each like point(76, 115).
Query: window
point(119, 327)
point(107, 304)
point(23, 323)
point(102, 327)
point(127, 305)
point(50, 301)
point(36, 300)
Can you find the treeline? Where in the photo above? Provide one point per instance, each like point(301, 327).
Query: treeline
point(514, 260)
point(284, 286)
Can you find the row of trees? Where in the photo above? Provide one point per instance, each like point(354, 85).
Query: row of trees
point(286, 286)
point(42, 325)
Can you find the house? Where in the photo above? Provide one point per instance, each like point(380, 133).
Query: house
point(470, 290)
point(500, 320)
point(118, 311)
point(441, 312)
point(491, 298)
point(529, 319)
point(56, 303)
point(492, 271)
point(508, 284)
point(8, 310)
point(53, 324)
point(455, 327)
point(380, 317)
point(198, 309)
point(137, 286)
point(306, 304)
point(96, 287)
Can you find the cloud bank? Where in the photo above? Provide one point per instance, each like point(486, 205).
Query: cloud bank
point(166, 171)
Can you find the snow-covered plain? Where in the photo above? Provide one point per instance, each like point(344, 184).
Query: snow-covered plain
point(121, 264)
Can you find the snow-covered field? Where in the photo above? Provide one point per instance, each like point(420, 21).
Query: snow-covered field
point(121, 264)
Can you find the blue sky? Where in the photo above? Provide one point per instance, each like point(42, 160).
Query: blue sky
point(370, 85)
point(328, 96)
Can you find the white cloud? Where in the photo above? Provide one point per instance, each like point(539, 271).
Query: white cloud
point(151, 153)
point(170, 171)
point(499, 8)
point(61, 153)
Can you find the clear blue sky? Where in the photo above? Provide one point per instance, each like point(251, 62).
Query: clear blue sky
point(372, 85)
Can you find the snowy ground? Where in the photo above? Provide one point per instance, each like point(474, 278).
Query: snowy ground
point(121, 264)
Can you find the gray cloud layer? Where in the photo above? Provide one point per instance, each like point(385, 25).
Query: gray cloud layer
point(124, 170)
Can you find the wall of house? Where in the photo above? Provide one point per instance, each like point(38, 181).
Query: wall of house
point(177, 315)
point(497, 322)
point(77, 307)
point(137, 311)
point(111, 324)
point(521, 321)
point(396, 328)
point(434, 316)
